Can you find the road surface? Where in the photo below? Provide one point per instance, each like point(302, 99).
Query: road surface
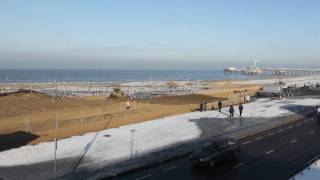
point(273, 154)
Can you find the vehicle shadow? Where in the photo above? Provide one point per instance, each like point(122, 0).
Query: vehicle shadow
point(248, 167)
point(222, 168)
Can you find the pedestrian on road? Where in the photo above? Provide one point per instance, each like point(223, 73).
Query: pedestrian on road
point(240, 109)
point(231, 110)
point(212, 107)
point(220, 105)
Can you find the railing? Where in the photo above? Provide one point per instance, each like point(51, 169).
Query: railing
point(59, 120)
point(307, 166)
point(300, 170)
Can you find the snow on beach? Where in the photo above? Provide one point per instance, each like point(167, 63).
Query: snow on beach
point(96, 150)
point(139, 89)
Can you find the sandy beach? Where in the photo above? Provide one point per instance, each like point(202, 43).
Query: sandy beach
point(67, 109)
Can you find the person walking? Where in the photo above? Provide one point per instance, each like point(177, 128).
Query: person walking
point(240, 109)
point(205, 106)
point(201, 107)
point(220, 105)
point(231, 110)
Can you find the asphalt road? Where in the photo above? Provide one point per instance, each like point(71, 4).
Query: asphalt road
point(273, 154)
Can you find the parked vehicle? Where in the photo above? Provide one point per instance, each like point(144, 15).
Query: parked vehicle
point(273, 89)
point(215, 151)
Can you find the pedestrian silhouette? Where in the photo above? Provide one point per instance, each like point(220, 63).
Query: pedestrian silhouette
point(201, 107)
point(240, 109)
point(231, 110)
point(220, 105)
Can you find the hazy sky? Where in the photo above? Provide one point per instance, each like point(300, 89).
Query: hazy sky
point(162, 34)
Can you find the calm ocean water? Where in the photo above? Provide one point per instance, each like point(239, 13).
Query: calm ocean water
point(24, 76)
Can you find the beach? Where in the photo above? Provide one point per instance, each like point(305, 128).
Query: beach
point(67, 109)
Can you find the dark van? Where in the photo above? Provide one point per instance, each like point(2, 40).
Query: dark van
point(215, 151)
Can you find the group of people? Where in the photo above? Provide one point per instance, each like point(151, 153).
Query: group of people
point(231, 110)
point(203, 107)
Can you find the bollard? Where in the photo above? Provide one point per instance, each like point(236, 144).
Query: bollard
point(28, 125)
point(56, 120)
point(55, 158)
point(27, 129)
point(81, 118)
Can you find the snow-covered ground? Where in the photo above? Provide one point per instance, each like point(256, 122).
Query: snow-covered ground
point(309, 174)
point(96, 150)
point(140, 89)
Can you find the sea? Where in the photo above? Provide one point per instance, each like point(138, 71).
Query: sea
point(82, 75)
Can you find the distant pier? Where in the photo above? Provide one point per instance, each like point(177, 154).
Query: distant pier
point(289, 71)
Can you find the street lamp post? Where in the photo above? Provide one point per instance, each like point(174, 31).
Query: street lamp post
point(55, 158)
point(132, 143)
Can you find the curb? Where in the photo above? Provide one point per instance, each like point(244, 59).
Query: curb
point(307, 114)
